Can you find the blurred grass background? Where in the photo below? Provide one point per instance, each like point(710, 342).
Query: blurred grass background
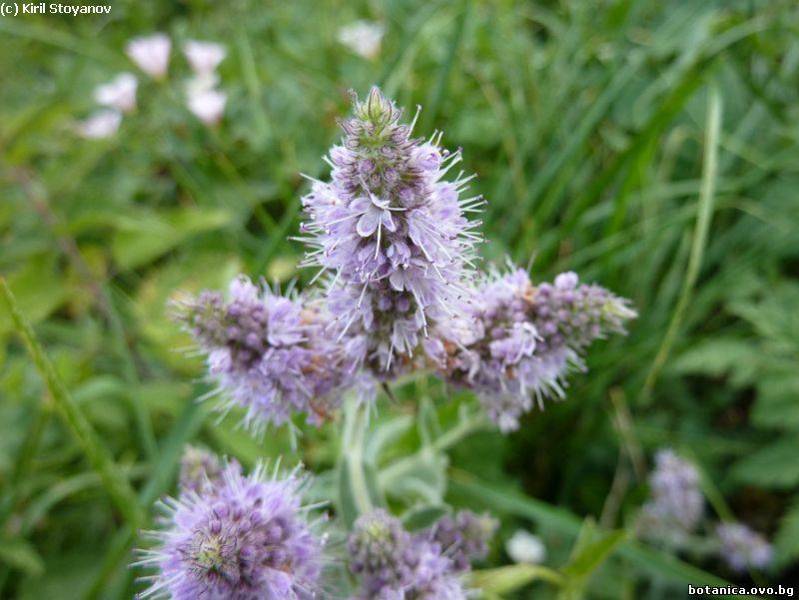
point(587, 124)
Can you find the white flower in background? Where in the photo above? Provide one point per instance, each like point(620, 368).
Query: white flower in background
point(204, 57)
point(102, 124)
point(362, 37)
point(208, 105)
point(204, 100)
point(524, 547)
point(201, 83)
point(151, 54)
point(119, 93)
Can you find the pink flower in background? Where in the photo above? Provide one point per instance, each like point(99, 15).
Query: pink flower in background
point(100, 125)
point(151, 54)
point(207, 105)
point(119, 93)
point(204, 57)
point(363, 37)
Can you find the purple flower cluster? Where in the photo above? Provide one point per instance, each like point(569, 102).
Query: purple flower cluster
point(392, 233)
point(269, 354)
point(518, 341)
point(677, 504)
point(742, 548)
point(393, 564)
point(242, 539)
point(464, 536)
point(392, 237)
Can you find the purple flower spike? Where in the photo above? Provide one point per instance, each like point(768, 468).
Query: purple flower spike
point(246, 538)
point(392, 234)
point(270, 354)
point(743, 548)
point(519, 341)
point(677, 504)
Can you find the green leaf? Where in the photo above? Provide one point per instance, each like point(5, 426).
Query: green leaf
point(386, 434)
point(38, 287)
point(786, 542)
point(420, 477)
point(592, 548)
point(510, 578)
point(773, 466)
point(144, 238)
point(718, 357)
point(777, 404)
point(357, 489)
point(593, 554)
point(20, 554)
point(423, 516)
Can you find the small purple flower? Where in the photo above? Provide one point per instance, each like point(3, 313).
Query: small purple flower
point(393, 564)
point(392, 234)
point(464, 537)
point(742, 548)
point(200, 470)
point(677, 503)
point(518, 341)
point(270, 354)
point(246, 538)
point(433, 575)
point(378, 550)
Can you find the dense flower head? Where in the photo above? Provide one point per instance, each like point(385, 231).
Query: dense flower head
point(246, 538)
point(393, 564)
point(378, 552)
point(677, 503)
point(270, 354)
point(742, 548)
point(518, 341)
point(464, 536)
point(392, 233)
point(200, 470)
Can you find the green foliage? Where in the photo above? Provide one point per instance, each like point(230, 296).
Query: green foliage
point(649, 146)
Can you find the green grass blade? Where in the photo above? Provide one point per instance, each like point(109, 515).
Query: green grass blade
point(119, 490)
point(576, 141)
point(440, 88)
point(703, 218)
